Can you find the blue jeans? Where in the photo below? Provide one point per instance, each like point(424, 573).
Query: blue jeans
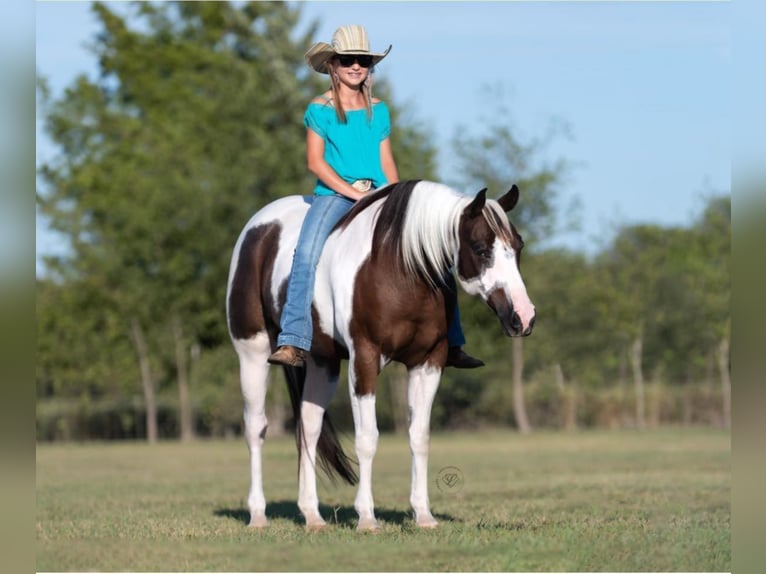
point(455, 336)
point(296, 324)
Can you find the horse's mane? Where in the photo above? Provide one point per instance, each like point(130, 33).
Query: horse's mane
point(417, 225)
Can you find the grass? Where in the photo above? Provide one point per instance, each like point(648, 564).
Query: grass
point(588, 501)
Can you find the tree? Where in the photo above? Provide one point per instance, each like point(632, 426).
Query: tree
point(644, 268)
point(625, 269)
point(712, 274)
point(571, 342)
point(166, 153)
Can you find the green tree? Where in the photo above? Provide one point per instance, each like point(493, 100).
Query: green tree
point(641, 263)
point(193, 122)
point(572, 339)
point(712, 284)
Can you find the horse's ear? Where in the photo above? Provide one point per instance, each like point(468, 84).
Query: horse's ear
point(475, 207)
point(508, 201)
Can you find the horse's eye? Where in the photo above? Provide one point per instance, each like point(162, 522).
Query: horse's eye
point(483, 252)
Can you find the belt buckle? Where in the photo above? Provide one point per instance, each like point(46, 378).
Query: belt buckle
point(362, 185)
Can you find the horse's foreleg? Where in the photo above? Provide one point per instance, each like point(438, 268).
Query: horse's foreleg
point(423, 382)
point(318, 390)
point(254, 372)
point(366, 443)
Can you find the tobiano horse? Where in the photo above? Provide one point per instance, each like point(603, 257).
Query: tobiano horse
point(382, 294)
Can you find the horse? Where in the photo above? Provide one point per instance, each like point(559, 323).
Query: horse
point(384, 292)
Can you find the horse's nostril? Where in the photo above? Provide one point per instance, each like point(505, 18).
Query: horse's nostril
point(528, 330)
point(515, 321)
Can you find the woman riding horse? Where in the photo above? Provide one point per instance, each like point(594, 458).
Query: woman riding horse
point(348, 148)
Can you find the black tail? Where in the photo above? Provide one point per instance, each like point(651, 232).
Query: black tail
point(330, 456)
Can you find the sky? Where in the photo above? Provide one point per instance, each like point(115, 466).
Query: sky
point(644, 88)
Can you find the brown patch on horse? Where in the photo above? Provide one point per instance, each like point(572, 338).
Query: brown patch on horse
point(326, 351)
point(476, 241)
point(250, 290)
point(393, 316)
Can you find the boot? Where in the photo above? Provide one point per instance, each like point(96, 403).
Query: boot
point(458, 358)
point(288, 356)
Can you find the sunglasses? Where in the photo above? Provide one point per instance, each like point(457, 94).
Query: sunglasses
point(347, 60)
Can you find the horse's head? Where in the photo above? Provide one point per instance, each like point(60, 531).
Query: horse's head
point(487, 261)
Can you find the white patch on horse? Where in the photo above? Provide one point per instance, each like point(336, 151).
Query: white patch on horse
point(252, 354)
point(291, 216)
point(366, 444)
point(344, 253)
point(423, 383)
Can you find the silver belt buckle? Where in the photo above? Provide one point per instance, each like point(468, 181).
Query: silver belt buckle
point(362, 185)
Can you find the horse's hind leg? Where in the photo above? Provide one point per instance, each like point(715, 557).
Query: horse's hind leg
point(319, 388)
point(254, 371)
point(423, 382)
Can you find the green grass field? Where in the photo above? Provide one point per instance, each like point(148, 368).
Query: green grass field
point(595, 501)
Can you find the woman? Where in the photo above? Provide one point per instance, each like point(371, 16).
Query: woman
point(349, 150)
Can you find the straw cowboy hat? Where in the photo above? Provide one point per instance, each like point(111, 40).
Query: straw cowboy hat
point(346, 40)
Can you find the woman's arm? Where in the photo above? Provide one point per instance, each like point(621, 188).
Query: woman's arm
point(387, 161)
point(319, 167)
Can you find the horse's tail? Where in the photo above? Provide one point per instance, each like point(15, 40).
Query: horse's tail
point(330, 455)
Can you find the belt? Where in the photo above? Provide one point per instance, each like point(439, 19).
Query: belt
point(362, 185)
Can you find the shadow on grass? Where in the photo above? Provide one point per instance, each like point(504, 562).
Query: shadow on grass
point(344, 516)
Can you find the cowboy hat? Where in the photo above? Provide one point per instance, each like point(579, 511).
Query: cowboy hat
point(346, 40)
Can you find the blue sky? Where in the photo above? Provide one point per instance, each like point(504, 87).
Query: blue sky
point(645, 88)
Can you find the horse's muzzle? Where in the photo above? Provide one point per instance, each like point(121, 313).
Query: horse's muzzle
point(513, 326)
point(510, 320)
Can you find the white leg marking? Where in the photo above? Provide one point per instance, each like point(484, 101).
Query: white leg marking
point(423, 382)
point(366, 443)
point(254, 372)
point(317, 392)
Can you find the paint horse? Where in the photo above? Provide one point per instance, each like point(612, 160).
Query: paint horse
point(382, 294)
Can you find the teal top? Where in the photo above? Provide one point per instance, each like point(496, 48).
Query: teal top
point(351, 149)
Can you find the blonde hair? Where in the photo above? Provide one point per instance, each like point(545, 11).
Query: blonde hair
point(366, 87)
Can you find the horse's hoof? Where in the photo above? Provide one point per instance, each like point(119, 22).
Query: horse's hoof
point(258, 522)
point(316, 525)
point(428, 523)
point(368, 525)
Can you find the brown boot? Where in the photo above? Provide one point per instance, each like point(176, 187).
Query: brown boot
point(288, 356)
point(458, 358)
